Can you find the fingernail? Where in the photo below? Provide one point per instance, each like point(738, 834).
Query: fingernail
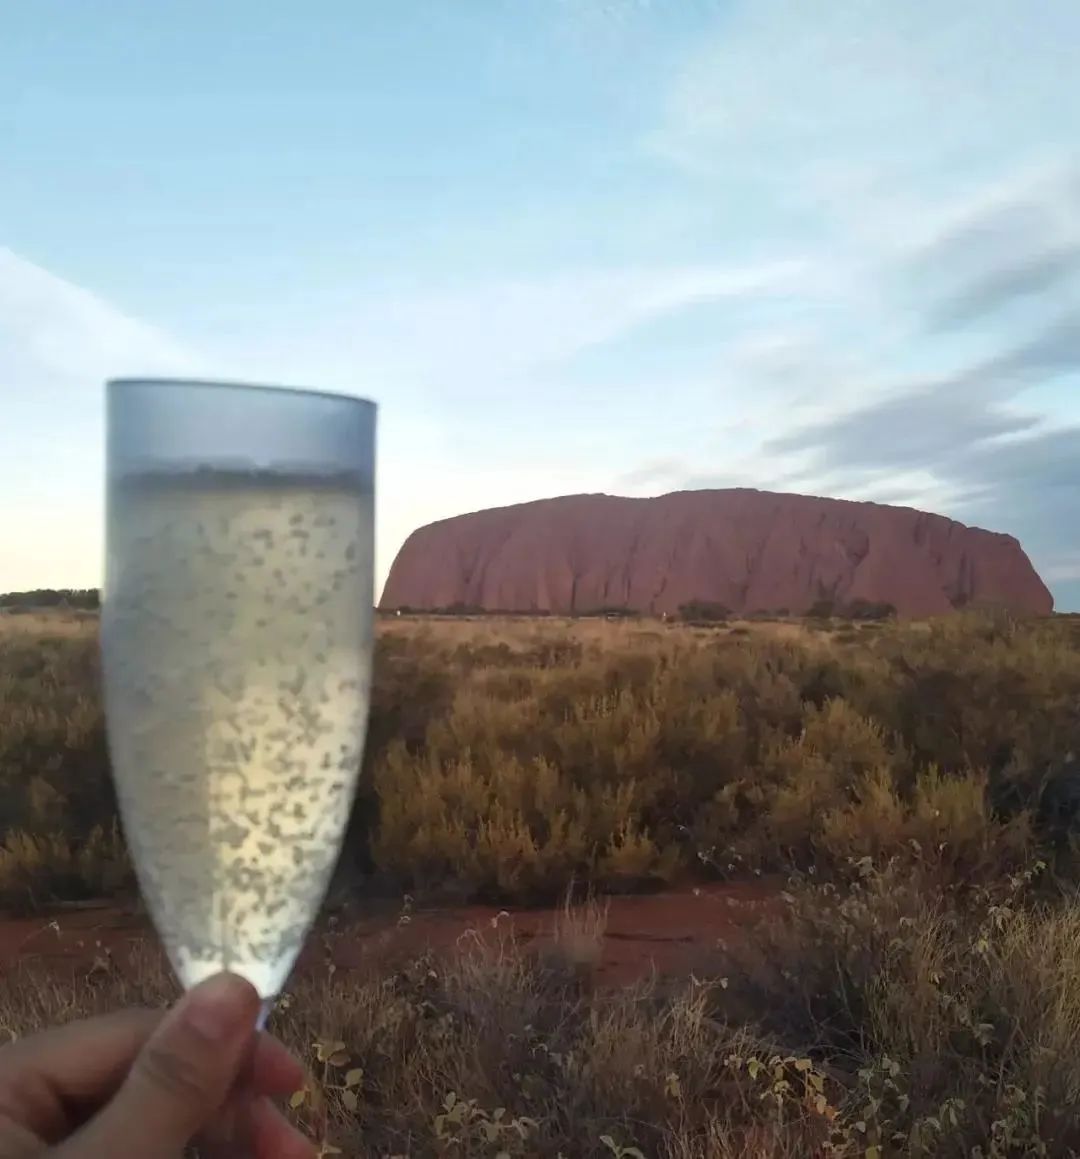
point(221, 1008)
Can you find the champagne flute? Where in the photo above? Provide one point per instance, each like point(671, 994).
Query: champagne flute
point(237, 649)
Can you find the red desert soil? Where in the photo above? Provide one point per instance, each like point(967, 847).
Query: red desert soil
point(675, 932)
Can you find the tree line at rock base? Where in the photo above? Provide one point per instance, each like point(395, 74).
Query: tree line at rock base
point(691, 612)
point(87, 599)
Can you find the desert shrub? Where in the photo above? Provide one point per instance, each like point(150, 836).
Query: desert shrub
point(814, 773)
point(36, 870)
point(703, 611)
point(663, 752)
point(53, 760)
point(508, 833)
point(830, 607)
point(481, 806)
point(765, 751)
point(967, 686)
point(951, 1018)
point(860, 609)
point(944, 822)
point(626, 765)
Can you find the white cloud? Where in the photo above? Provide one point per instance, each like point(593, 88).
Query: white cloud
point(1066, 568)
point(53, 329)
point(870, 130)
point(784, 82)
point(58, 343)
point(480, 332)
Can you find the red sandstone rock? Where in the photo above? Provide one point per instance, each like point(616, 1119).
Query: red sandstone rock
point(748, 550)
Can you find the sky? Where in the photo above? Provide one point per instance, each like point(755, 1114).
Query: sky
point(630, 246)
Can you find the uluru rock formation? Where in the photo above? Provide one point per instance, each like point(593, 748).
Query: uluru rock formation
point(748, 550)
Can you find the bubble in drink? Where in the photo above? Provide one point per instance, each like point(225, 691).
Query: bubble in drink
point(237, 649)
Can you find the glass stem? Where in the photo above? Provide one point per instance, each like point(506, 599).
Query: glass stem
point(264, 1013)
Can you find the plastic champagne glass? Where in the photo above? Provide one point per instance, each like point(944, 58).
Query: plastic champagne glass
point(237, 649)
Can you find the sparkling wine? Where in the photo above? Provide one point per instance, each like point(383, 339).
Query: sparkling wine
point(237, 650)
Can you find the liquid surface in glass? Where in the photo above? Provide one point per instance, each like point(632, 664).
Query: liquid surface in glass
point(237, 650)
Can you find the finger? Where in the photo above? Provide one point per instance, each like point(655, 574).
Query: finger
point(181, 1077)
point(270, 1070)
point(274, 1071)
point(272, 1136)
point(53, 1081)
point(225, 1136)
point(50, 1081)
point(251, 1126)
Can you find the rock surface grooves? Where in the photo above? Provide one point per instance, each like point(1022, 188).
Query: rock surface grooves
point(752, 551)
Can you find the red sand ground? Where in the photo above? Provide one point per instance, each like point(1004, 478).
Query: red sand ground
point(673, 933)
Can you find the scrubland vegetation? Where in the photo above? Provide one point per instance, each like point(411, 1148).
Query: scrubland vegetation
point(917, 994)
point(506, 759)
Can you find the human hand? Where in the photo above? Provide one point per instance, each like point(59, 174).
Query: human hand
point(146, 1085)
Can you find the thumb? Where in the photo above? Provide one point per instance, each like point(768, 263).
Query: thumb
point(181, 1077)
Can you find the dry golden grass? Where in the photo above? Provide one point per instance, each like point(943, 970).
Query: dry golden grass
point(52, 624)
point(579, 934)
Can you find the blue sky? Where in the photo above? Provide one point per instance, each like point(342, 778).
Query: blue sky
point(567, 245)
